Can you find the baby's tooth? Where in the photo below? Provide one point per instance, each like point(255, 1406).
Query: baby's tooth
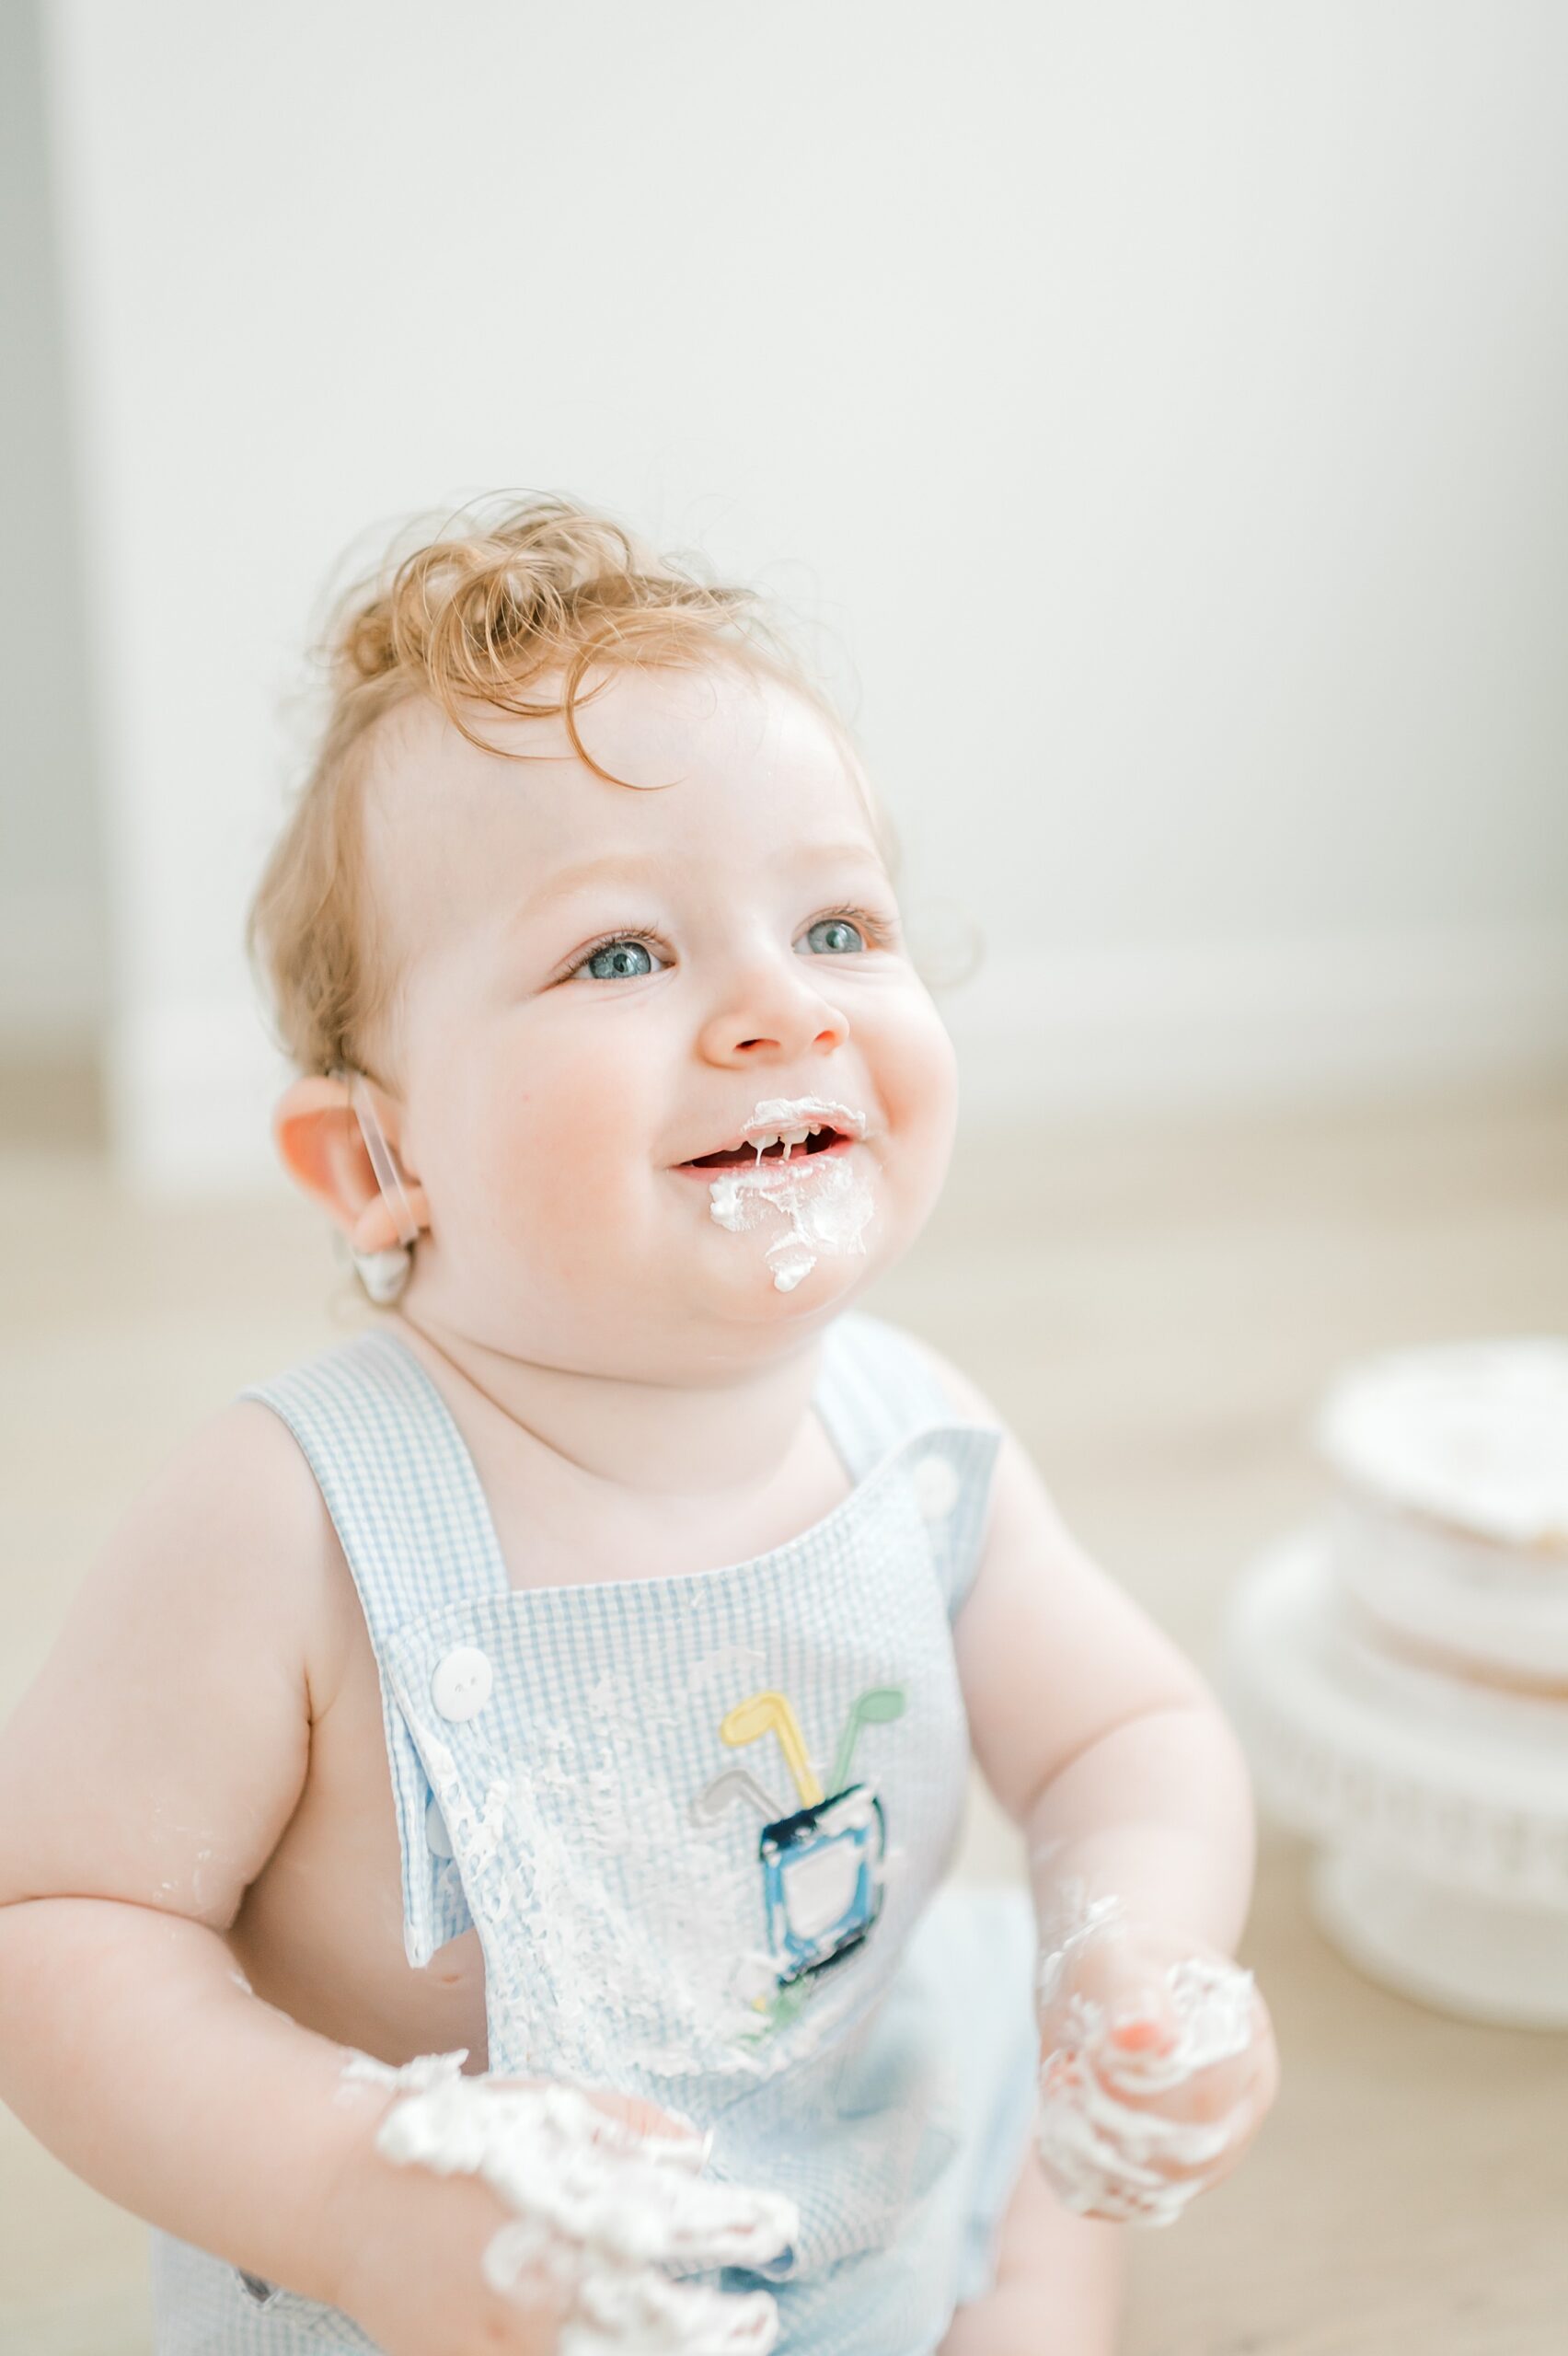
point(794, 1137)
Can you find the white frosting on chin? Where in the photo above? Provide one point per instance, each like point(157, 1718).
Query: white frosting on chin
point(823, 1202)
point(603, 2214)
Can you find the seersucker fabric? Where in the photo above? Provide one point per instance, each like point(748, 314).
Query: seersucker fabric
point(701, 1824)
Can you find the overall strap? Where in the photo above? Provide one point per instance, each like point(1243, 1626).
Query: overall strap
point(875, 1391)
point(876, 1396)
point(414, 1526)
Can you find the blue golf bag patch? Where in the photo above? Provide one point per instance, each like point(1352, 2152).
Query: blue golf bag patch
point(821, 1864)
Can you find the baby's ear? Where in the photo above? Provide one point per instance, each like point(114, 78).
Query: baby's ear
point(320, 1146)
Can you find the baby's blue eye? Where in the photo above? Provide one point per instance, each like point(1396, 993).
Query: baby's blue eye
point(833, 937)
point(619, 961)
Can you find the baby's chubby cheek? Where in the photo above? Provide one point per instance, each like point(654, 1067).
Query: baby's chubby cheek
point(568, 1166)
point(915, 1076)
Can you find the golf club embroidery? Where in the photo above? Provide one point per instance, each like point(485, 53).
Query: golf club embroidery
point(821, 1864)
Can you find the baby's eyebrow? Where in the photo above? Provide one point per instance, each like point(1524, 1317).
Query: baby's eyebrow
point(626, 868)
point(809, 853)
point(610, 868)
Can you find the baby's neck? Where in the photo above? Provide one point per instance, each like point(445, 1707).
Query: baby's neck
point(652, 1439)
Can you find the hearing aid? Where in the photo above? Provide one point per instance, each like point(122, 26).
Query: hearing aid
point(383, 1273)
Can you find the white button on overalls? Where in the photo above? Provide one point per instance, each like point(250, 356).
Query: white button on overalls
point(438, 1841)
point(935, 1487)
point(462, 1682)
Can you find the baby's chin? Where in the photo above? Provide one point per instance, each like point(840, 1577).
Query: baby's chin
point(758, 1300)
point(755, 1283)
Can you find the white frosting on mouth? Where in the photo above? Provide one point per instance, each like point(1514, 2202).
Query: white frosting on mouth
point(824, 1199)
point(603, 2215)
point(795, 1117)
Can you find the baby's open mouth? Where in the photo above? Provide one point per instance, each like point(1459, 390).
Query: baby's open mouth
point(783, 1132)
point(782, 1149)
point(791, 1176)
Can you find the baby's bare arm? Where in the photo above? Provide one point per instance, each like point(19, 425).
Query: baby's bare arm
point(127, 2046)
point(1102, 1742)
point(1091, 1728)
point(149, 1773)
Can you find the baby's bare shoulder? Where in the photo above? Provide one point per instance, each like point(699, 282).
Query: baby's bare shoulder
point(164, 1745)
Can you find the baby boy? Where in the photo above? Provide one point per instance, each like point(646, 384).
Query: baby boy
point(579, 1670)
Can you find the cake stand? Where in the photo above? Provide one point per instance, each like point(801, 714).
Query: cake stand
point(1440, 1809)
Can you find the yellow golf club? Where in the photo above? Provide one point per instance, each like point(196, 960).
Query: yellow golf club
point(763, 1714)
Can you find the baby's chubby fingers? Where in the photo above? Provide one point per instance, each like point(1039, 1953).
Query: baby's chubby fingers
point(1116, 1984)
point(1207, 2093)
point(1157, 2067)
point(1161, 2015)
point(1250, 2077)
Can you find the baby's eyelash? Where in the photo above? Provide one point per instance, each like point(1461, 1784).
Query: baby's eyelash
point(880, 930)
point(635, 933)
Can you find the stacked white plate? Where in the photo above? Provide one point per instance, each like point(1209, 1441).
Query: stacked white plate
point(1399, 1673)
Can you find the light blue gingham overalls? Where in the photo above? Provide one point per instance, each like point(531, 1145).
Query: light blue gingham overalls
point(700, 1822)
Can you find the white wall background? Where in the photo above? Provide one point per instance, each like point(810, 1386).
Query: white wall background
point(1166, 405)
point(52, 970)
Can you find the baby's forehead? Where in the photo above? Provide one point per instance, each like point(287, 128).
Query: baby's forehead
point(720, 764)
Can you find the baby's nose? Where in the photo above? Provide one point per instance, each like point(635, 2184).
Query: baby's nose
point(773, 1020)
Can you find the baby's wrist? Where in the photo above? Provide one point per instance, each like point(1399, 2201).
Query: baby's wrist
point(343, 2196)
point(1178, 1884)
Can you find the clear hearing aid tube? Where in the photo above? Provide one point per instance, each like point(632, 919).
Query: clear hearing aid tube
point(387, 1176)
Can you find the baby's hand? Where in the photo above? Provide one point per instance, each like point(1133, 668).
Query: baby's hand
point(517, 2217)
point(410, 2267)
point(1158, 2066)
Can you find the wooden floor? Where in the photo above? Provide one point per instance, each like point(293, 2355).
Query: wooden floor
point(1155, 1310)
